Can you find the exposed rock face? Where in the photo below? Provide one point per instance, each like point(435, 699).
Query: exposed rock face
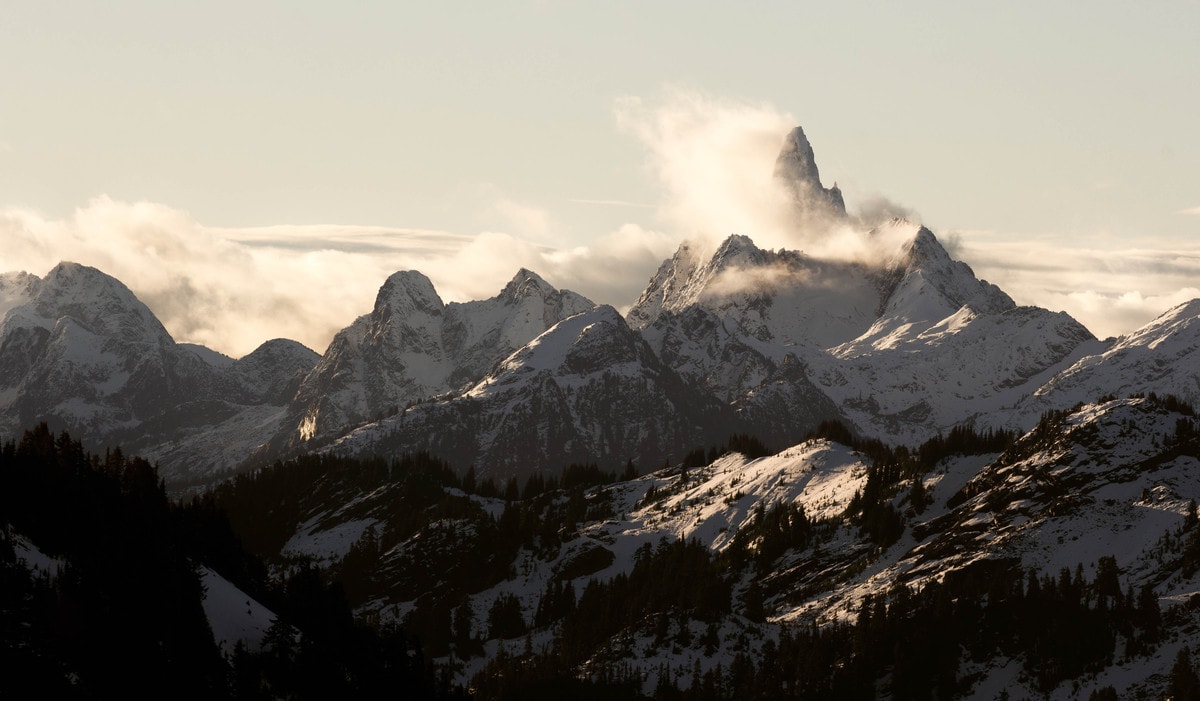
point(796, 169)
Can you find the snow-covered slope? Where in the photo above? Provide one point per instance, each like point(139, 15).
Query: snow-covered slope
point(236, 618)
point(968, 367)
point(1162, 357)
point(587, 390)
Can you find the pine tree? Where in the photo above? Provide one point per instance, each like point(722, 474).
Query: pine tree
point(752, 602)
point(1184, 684)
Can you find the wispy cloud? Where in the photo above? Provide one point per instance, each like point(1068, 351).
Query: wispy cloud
point(1195, 211)
point(715, 158)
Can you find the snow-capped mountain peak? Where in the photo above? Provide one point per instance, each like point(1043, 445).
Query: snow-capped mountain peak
point(406, 294)
point(98, 302)
point(738, 250)
point(412, 346)
point(526, 283)
point(922, 289)
point(953, 279)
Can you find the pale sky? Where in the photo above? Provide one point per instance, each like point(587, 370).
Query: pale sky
point(257, 169)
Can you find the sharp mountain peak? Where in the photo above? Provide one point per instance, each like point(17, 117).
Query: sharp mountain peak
point(796, 169)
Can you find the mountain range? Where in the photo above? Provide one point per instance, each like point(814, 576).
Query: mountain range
point(722, 340)
point(842, 441)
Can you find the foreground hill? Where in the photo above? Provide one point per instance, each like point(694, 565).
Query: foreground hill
point(1076, 546)
point(110, 590)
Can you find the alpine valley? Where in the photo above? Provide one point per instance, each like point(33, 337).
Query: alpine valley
point(775, 476)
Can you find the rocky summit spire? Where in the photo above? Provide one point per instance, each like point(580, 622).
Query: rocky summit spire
point(796, 168)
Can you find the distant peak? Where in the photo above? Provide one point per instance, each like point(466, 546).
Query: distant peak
point(796, 168)
point(407, 278)
point(68, 274)
point(737, 248)
point(738, 242)
point(796, 160)
point(408, 288)
point(99, 301)
point(525, 282)
point(67, 270)
point(925, 245)
point(527, 275)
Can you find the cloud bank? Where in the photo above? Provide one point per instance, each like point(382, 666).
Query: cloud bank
point(232, 289)
point(1111, 290)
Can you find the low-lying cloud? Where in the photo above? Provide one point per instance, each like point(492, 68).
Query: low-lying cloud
point(231, 289)
point(1111, 290)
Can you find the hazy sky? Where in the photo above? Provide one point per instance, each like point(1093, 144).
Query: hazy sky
point(256, 169)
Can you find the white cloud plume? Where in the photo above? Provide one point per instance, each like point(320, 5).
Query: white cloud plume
point(715, 160)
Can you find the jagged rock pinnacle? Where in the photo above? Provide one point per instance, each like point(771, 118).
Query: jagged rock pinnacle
point(796, 168)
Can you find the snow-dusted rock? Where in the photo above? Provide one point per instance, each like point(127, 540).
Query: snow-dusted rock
point(903, 351)
point(588, 390)
point(79, 351)
point(412, 347)
point(796, 170)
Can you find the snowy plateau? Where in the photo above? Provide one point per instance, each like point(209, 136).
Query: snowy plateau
point(772, 462)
